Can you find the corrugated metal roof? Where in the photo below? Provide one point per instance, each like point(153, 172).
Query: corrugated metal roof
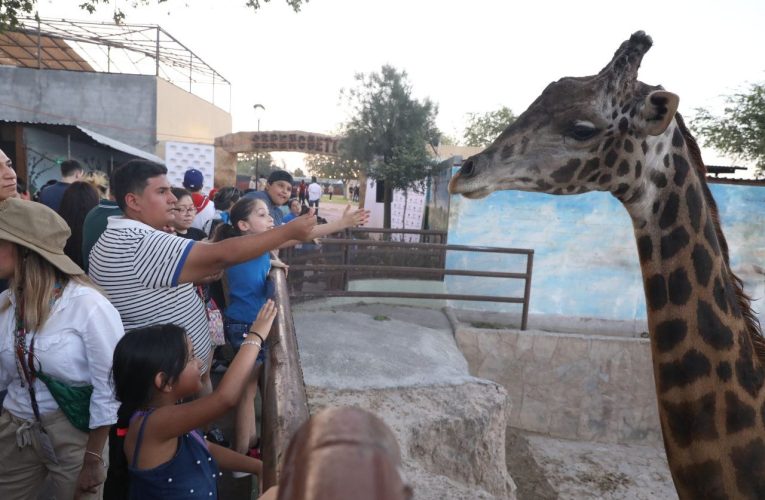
point(19, 48)
point(121, 146)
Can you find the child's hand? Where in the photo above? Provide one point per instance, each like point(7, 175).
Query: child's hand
point(353, 218)
point(280, 264)
point(303, 225)
point(265, 319)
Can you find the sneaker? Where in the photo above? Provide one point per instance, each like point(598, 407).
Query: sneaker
point(215, 435)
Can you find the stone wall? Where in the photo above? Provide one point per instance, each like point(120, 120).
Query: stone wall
point(572, 386)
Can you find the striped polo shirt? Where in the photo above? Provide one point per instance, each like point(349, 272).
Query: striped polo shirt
point(139, 267)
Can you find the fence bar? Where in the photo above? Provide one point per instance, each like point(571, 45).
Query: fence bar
point(410, 295)
point(353, 268)
point(285, 405)
point(432, 246)
point(527, 291)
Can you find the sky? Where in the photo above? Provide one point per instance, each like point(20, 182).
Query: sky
point(469, 56)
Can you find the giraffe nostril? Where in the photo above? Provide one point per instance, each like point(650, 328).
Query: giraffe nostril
point(467, 168)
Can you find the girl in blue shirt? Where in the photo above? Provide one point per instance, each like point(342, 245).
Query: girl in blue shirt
point(248, 289)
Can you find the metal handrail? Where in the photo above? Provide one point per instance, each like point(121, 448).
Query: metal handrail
point(348, 269)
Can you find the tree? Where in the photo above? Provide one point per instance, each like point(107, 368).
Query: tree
point(333, 167)
point(245, 164)
point(10, 10)
point(741, 129)
point(298, 172)
point(389, 131)
point(483, 128)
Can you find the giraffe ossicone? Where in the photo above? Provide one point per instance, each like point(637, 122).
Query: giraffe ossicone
point(611, 132)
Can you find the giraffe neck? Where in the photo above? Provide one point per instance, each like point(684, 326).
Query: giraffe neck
point(708, 382)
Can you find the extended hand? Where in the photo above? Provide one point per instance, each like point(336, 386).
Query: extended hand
point(353, 218)
point(265, 319)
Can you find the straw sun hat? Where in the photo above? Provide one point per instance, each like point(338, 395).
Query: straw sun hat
point(38, 228)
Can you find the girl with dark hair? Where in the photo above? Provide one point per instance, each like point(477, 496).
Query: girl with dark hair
point(247, 287)
point(165, 456)
point(79, 199)
point(184, 216)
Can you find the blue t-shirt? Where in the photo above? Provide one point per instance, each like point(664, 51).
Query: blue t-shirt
point(51, 195)
point(274, 210)
point(247, 288)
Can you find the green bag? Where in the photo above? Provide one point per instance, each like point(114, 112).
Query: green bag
point(73, 401)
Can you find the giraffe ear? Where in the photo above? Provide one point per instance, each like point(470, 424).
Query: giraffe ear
point(658, 111)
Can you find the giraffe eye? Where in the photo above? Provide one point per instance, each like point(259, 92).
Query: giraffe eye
point(581, 131)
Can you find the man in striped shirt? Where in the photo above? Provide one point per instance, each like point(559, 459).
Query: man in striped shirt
point(149, 274)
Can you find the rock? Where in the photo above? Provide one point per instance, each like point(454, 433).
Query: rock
point(449, 435)
point(450, 426)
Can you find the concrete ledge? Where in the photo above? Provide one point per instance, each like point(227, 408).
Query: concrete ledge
point(581, 387)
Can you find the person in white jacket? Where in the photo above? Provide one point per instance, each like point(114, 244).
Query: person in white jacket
point(54, 324)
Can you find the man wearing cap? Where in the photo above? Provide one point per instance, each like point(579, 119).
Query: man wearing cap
point(193, 180)
point(277, 193)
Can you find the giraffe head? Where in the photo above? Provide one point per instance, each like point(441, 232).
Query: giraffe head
point(582, 134)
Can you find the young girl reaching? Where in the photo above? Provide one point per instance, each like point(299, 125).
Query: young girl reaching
point(153, 369)
point(247, 291)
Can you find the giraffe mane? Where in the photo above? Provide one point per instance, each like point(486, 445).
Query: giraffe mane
point(753, 327)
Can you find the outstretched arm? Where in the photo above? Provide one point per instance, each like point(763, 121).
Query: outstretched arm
point(231, 460)
point(169, 422)
point(350, 218)
point(205, 259)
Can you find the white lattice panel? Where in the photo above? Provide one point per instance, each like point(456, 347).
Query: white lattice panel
point(181, 156)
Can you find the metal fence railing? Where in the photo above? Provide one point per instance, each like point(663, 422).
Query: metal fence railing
point(326, 270)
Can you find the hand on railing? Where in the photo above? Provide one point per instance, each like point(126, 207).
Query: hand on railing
point(266, 315)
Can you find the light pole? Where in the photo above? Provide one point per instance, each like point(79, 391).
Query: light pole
point(256, 107)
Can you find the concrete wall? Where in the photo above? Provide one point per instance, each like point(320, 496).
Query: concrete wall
point(586, 262)
point(119, 106)
point(580, 387)
point(185, 117)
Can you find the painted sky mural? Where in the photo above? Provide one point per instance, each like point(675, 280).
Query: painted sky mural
point(585, 261)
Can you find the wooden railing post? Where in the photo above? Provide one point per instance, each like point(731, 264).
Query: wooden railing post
point(285, 405)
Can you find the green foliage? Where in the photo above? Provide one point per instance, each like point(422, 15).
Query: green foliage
point(10, 10)
point(245, 164)
point(390, 130)
point(740, 131)
point(298, 172)
point(483, 128)
point(332, 167)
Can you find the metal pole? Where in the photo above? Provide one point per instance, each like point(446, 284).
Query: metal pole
point(257, 160)
point(257, 153)
point(39, 49)
point(156, 54)
point(527, 290)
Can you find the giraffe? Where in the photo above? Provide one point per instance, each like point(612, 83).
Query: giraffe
point(611, 132)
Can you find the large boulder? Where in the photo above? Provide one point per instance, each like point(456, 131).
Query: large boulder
point(450, 426)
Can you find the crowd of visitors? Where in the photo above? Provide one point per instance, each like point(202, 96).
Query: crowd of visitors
point(95, 410)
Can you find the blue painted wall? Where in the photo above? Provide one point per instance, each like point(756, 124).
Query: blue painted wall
point(585, 261)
